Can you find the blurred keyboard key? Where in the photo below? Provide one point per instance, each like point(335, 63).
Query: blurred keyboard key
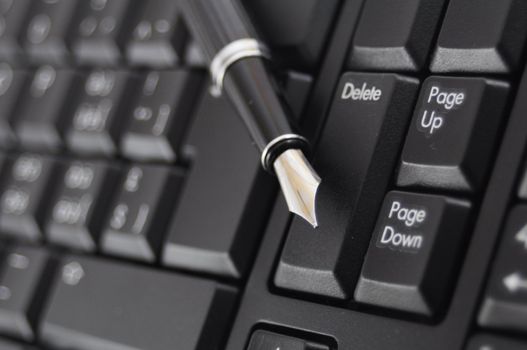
point(485, 36)
point(12, 18)
point(416, 236)
point(493, 342)
point(12, 82)
point(102, 30)
point(296, 30)
point(23, 284)
point(401, 43)
point(138, 220)
point(453, 133)
point(159, 37)
point(356, 155)
point(45, 108)
point(102, 110)
point(48, 32)
point(505, 301)
point(98, 305)
point(220, 149)
point(29, 181)
point(81, 204)
point(161, 115)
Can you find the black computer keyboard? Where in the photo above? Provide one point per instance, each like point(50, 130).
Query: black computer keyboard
point(134, 213)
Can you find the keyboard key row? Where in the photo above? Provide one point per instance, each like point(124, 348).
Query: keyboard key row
point(406, 42)
point(95, 31)
point(92, 115)
point(149, 33)
point(151, 212)
point(42, 297)
point(417, 244)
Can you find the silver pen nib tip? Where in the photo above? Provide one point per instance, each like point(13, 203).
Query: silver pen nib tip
point(299, 183)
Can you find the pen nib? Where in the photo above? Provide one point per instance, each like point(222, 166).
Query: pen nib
point(299, 183)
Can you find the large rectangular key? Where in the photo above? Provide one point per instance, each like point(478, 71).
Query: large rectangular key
point(98, 305)
point(296, 30)
point(223, 243)
point(485, 36)
point(453, 133)
point(401, 43)
point(356, 157)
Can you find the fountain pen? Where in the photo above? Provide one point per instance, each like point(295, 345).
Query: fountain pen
point(239, 64)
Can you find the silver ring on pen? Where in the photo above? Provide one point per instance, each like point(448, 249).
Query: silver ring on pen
point(276, 141)
point(231, 53)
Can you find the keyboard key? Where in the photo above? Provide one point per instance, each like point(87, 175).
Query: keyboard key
point(402, 43)
point(484, 36)
point(48, 33)
point(453, 133)
point(102, 30)
point(505, 302)
point(411, 259)
point(356, 156)
point(29, 179)
point(99, 119)
point(44, 111)
point(11, 86)
point(159, 36)
point(22, 289)
point(12, 19)
point(160, 117)
point(139, 217)
point(98, 305)
point(263, 340)
point(492, 342)
point(224, 242)
point(81, 204)
point(296, 30)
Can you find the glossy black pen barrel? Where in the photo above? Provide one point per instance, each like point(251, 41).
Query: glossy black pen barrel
point(217, 23)
point(266, 115)
point(247, 81)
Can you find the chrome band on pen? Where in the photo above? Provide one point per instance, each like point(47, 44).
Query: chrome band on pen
point(231, 53)
point(276, 141)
